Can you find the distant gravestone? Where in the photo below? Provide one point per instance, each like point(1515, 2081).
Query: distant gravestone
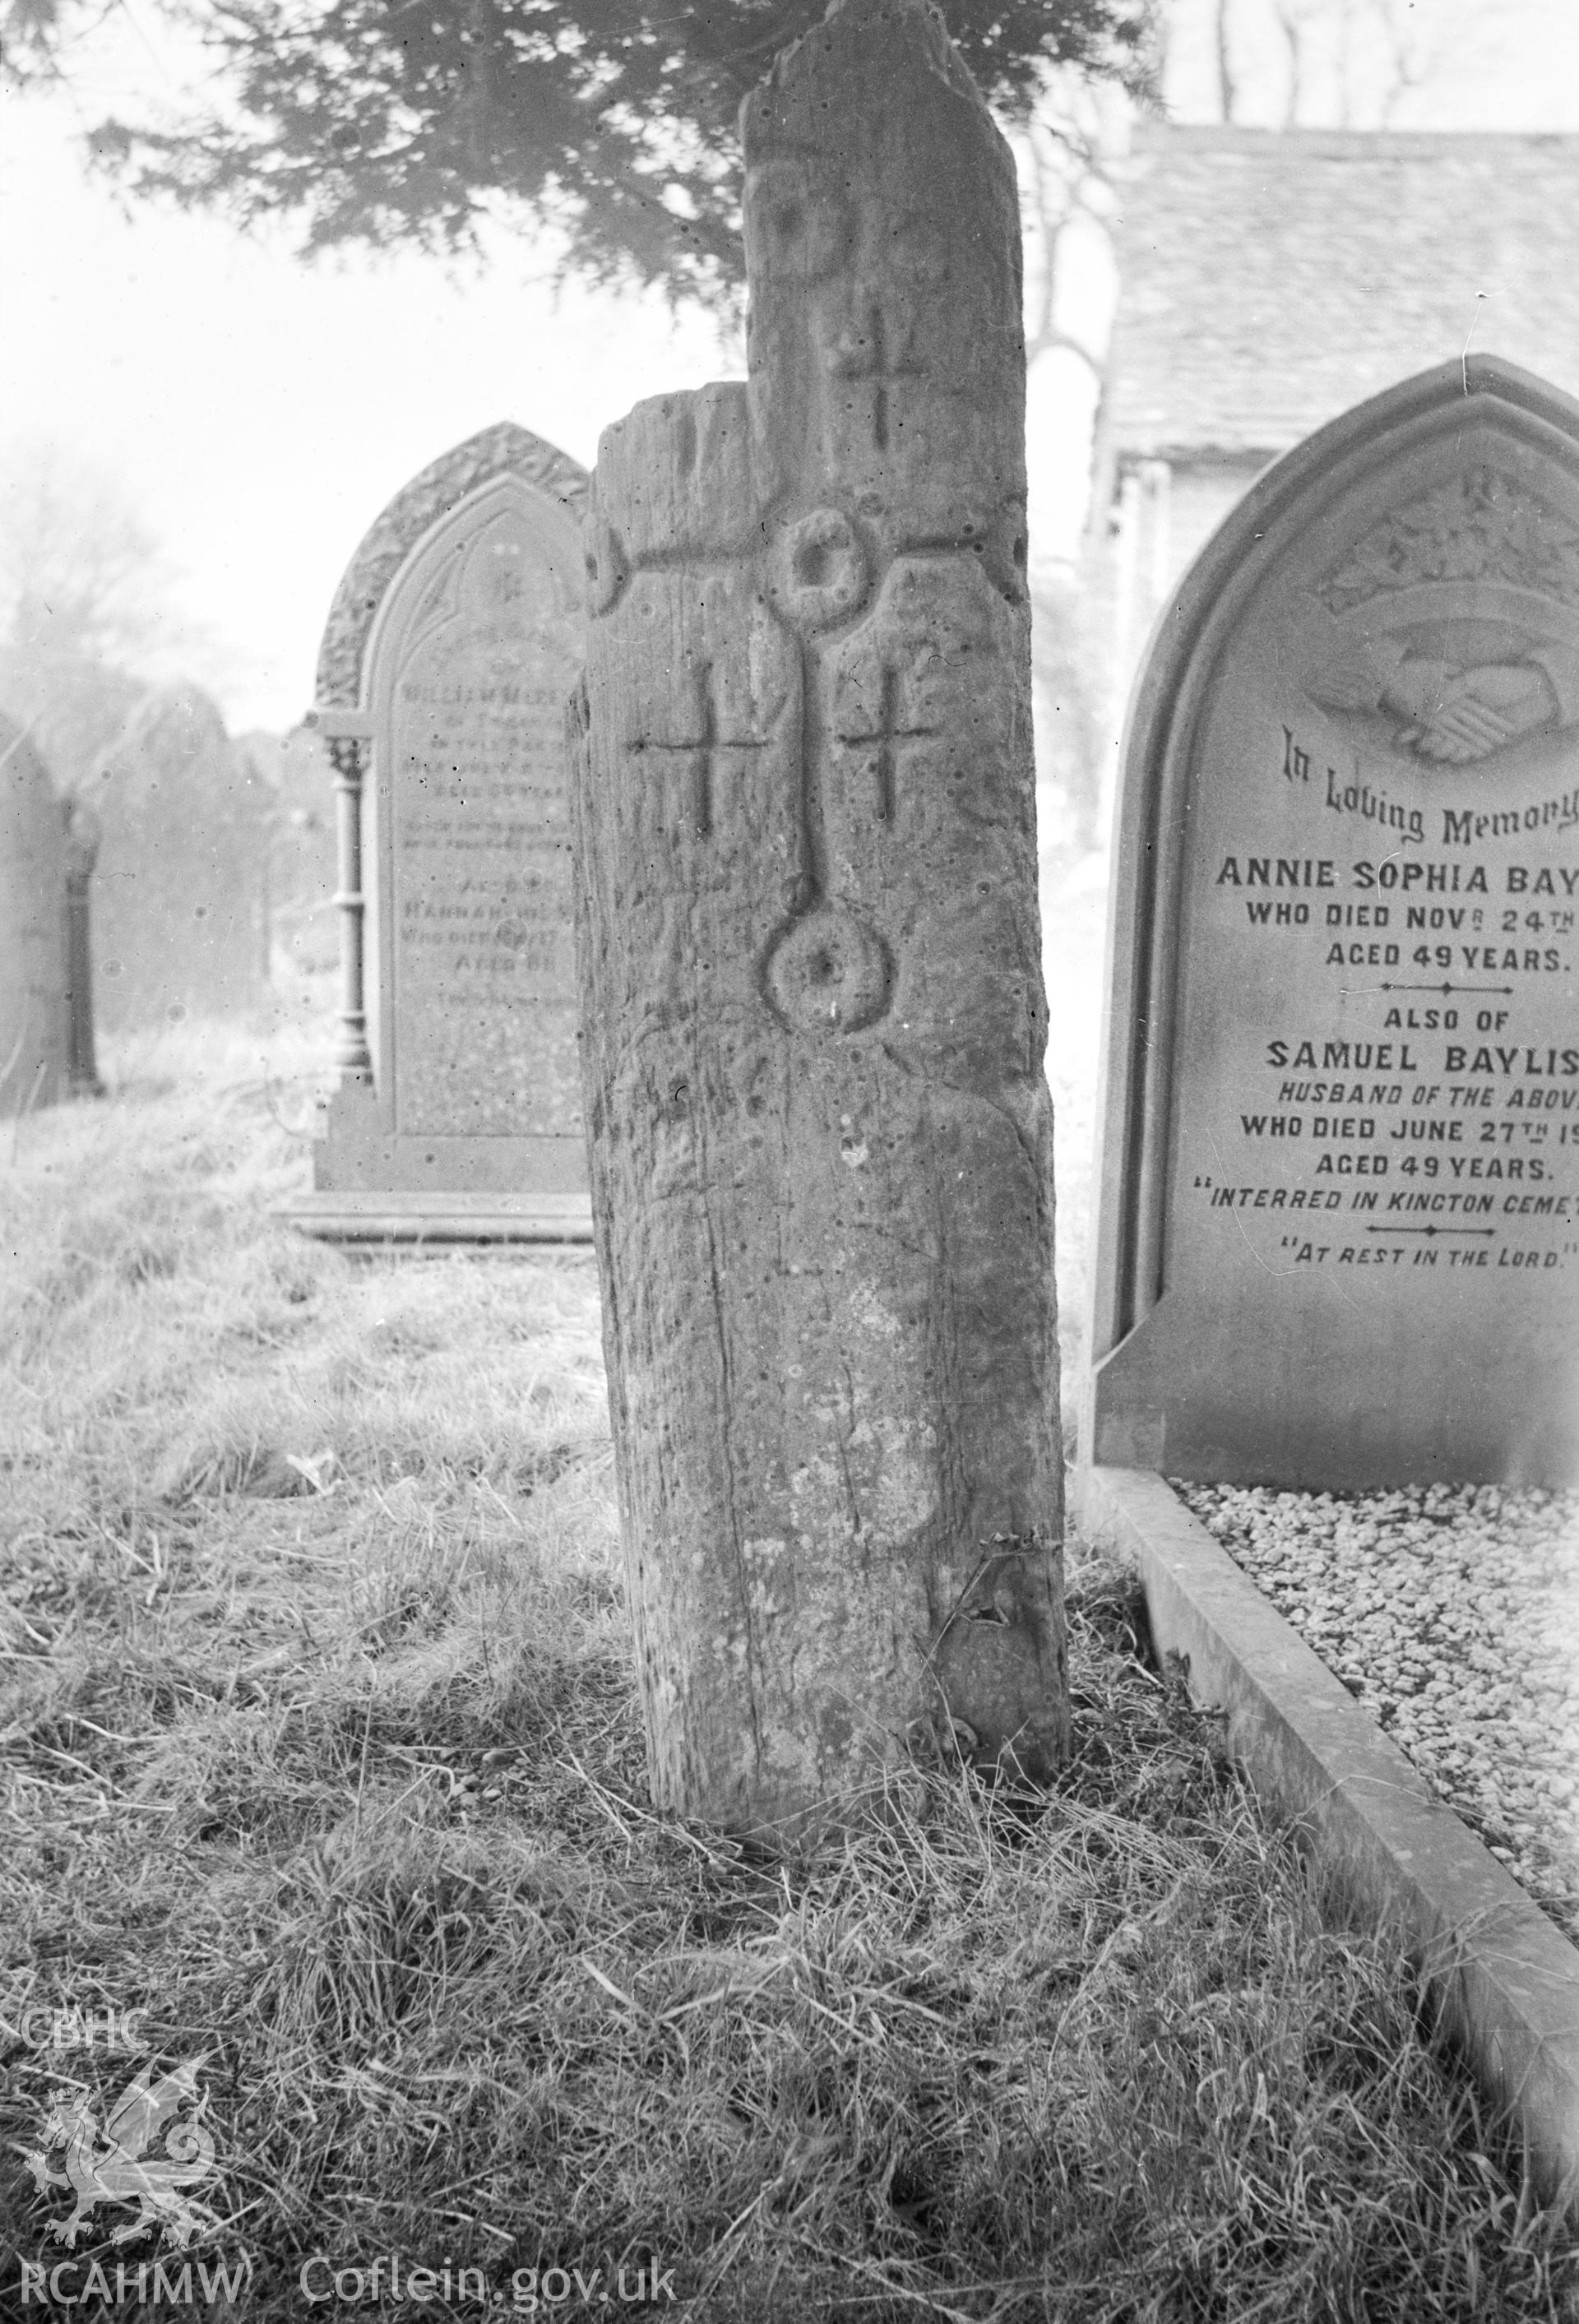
point(1338, 1238)
point(820, 1136)
point(34, 1028)
point(83, 836)
point(449, 652)
point(299, 786)
point(181, 884)
point(72, 705)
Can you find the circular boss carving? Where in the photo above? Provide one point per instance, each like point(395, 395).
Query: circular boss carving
point(803, 234)
point(819, 570)
point(829, 974)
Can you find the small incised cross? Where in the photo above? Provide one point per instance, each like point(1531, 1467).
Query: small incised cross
point(700, 746)
point(863, 354)
point(887, 735)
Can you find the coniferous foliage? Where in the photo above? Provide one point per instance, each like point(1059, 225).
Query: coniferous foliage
point(390, 122)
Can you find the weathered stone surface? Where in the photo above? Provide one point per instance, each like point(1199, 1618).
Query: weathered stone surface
point(179, 890)
point(814, 1021)
point(1338, 1240)
point(448, 652)
point(33, 1021)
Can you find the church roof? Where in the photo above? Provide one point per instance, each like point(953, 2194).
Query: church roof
point(1271, 278)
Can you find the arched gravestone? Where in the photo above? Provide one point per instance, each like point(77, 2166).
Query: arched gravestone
point(449, 652)
point(180, 887)
point(33, 1020)
point(1338, 1240)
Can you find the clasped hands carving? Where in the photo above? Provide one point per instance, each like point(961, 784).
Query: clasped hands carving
point(1449, 714)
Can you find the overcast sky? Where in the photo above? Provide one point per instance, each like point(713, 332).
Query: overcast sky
point(260, 412)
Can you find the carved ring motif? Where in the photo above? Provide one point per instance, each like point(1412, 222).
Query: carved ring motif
point(803, 233)
point(829, 974)
point(818, 570)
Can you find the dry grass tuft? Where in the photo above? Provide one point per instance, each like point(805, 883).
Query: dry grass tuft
point(321, 1750)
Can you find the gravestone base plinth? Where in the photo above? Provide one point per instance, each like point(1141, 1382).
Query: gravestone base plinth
point(363, 1217)
point(372, 1184)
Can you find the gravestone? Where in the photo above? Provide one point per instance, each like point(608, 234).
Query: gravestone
point(820, 1137)
point(33, 1017)
point(1338, 1235)
point(180, 888)
point(299, 784)
point(83, 836)
point(72, 705)
point(450, 650)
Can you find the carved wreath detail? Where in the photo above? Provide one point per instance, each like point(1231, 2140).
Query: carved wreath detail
point(1483, 526)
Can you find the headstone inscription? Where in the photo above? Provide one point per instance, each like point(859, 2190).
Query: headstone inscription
point(1338, 1236)
point(450, 650)
point(179, 913)
point(820, 1136)
point(33, 1015)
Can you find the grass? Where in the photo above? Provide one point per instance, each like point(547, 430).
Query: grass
point(321, 1753)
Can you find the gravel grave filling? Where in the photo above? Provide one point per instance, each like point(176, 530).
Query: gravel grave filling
point(1452, 1613)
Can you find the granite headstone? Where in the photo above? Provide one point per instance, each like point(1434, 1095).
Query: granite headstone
point(1338, 1235)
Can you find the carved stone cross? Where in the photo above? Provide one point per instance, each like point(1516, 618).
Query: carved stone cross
point(862, 353)
point(696, 750)
point(884, 735)
point(820, 1139)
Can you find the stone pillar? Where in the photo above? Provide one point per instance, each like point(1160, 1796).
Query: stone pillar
point(349, 741)
point(813, 1015)
point(83, 831)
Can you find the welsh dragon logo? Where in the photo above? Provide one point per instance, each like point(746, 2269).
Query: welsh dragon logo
point(122, 2167)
